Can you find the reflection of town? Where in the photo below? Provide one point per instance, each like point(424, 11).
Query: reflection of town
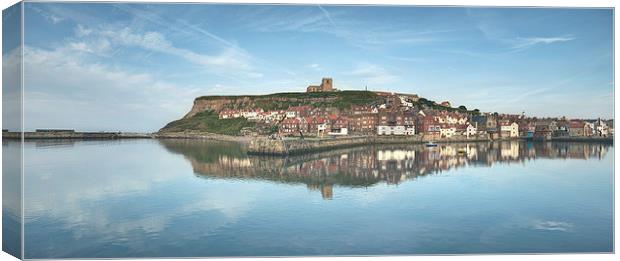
point(367, 166)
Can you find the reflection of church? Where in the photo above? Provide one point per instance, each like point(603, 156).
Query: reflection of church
point(327, 190)
point(367, 166)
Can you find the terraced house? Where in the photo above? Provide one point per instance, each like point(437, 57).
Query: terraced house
point(508, 129)
point(395, 123)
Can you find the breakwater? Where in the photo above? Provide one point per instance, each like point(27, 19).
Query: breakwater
point(74, 135)
point(265, 146)
point(201, 135)
point(292, 146)
point(608, 139)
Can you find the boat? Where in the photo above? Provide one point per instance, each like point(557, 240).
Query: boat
point(431, 144)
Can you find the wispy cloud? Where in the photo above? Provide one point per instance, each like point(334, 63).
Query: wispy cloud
point(315, 66)
point(373, 74)
point(490, 26)
point(56, 19)
point(109, 98)
point(190, 29)
point(102, 39)
point(63, 14)
point(97, 47)
point(522, 43)
point(50, 16)
point(175, 25)
point(359, 33)
point(275, 19)
point(328, 15)
point(509, 45)
point(155, 41)
point(407, 59)
point(82, 31)
point(511, 96)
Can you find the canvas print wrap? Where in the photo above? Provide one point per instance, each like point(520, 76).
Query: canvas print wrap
point(12, 105)
point(148, 130)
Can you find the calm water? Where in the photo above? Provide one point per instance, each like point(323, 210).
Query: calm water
point(180, 198)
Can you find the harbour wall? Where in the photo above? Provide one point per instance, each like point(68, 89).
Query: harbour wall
point(74, 135)
point(266, 146)
point(201, 135)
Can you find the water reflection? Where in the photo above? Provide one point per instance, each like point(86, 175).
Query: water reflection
point(367, 166)
point(138, 198)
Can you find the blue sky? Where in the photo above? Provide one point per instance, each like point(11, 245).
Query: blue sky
point(135, 67)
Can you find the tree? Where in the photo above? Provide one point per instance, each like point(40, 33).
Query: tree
point(273, 129)
point(462, 108)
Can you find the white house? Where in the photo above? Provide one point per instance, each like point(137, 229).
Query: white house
point(250, 114)
point(449, 118)
point(390, 130)
point(410, 130)
point(395, 130)
point(321, 127)
point(257, 117)
point(590, 126)
point(291, 114)
point(601, 128)
point(471, 130)
point(447, 132)
point(404, 102)
point(509, 130)
point(342, 132)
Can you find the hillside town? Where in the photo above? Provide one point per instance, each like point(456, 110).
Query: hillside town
point(402, 115)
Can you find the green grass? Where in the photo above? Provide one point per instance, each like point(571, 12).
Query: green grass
point(208, 121)
point(298, 95)
point(433, 105)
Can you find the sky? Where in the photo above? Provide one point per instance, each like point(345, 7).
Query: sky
point(135, 67)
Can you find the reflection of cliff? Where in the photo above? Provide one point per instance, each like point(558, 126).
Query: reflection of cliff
point(207, 151)
point(314, 170)
point(366, 166)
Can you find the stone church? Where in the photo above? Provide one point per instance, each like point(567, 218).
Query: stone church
point(326, 86)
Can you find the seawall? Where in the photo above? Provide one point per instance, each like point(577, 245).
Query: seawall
point(584, 139)
point(201, 135)
point(75, 135)
point(265, 146)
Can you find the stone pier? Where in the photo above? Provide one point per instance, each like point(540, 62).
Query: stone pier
point(290, 146)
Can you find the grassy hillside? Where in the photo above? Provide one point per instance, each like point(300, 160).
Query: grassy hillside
point(207, 121)
point(428, 104)
point(298, 95)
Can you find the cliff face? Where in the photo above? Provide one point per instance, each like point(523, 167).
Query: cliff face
point(218, 104)
point(343, 99)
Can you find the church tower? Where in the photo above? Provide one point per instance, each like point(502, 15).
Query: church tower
point(327, 85)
